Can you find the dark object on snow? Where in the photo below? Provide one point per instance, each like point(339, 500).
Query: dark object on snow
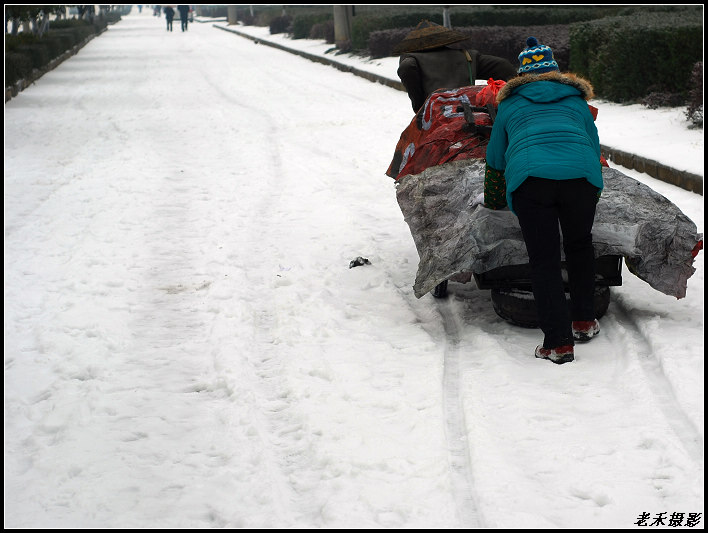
point(359, 261)
point(454, 236)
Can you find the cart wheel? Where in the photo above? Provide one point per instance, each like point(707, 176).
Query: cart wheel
point(519, 308)
point(440, 290)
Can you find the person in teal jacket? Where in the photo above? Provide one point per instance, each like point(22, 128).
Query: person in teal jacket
point(543, 162)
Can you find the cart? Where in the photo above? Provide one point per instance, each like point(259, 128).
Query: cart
point(439, 170)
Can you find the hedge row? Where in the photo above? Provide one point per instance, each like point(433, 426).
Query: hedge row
point(299, 20)
point(366, 23)
point(323, 31)
point(25, 52)
point(501, 41)
point(648, 57)
point(381, 18)
point(303, 23)
point(628, 57)
point(214, 11)
point(628, 52)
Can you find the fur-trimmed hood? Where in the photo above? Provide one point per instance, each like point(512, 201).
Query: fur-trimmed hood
point(572, 80)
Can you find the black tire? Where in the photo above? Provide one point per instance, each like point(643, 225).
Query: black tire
point(440, 290)
point(519, 308)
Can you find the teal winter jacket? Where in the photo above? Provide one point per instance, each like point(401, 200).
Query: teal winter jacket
point(544, 128)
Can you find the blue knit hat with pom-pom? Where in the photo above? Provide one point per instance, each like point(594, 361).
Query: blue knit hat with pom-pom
point(536, 58)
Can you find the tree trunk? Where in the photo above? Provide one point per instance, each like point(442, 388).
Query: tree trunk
point(231, 16)
point(343, 26)
point(446, 17)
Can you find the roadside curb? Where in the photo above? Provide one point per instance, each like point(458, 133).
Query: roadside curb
point(680, 178)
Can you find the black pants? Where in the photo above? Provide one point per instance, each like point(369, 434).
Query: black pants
point(541, 205)
point(184, 23)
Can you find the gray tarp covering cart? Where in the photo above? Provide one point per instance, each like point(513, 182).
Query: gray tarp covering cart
point(457, 240)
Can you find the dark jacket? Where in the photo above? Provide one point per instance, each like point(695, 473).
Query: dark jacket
point(447, 68)
point(544, 128)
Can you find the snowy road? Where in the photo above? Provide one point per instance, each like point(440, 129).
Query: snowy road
point(186, 345)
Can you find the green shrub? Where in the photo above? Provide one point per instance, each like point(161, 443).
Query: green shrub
point(38, 53)
point(529, 15)
point(694, 112)
point(509, 41)
point(64, 24)
point(66, 37)
point(628, 57)
point(213, 11)
point(17, 66)
point(25, 51)
point(655, 100)
point(55, 44)
point(364, 25)
point(500, 41)
point(303, 23)
point(324, 30)
point(265, 17)
point(244, 16)
point(21, 39)
point(280, 24)
point(83, 33)
point(470, 16)
point(110, 17)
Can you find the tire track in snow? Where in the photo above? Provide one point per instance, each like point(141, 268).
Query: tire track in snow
point(635, 344)
point(461, 472)
point(455, 424)
point(638, 346)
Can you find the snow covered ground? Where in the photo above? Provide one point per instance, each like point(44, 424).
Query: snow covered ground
point(186, 345)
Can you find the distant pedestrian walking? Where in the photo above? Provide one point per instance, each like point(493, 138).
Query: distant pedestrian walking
point(184, 16)
point(169, 15)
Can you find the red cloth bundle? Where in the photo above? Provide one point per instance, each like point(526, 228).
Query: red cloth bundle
point(440, 133)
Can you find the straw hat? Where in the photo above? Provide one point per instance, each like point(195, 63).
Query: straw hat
point(426, 36)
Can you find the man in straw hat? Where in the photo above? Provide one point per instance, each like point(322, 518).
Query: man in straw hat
point(428, 62)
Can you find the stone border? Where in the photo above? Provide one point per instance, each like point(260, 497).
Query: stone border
point(680, 178)
point(21, 85)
